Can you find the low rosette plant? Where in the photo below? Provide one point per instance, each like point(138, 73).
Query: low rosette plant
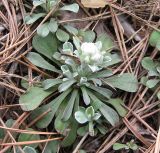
point(83, 79)
point(87, 116)
point(131, 145)
point(40, 10)
point(152, 80)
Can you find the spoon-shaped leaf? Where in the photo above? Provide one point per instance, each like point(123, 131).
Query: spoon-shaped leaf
point(69, 108)
point(39, 61)
point(33, 98)
point(51, 108)
point(46, 46)
point(110, 114)
point(126, 82)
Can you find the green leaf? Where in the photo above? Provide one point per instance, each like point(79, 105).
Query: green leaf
point(43, 30)
point(25, 83)
point(72, 135)
point(76, 105)
point(62, 35)
point(153, 72)
point(158, 45)
point(90, 112)
point(50, 83)
point(102, 129)
point(60, 125)
point(66, 72)
point(119, 146)
point(148, 63)
point(38, 2)
point(66, 84)
point(96, 116)
point(72, 7)
point(110, 114)
point(52, 106)
point(126, 82)
point(29, 137)
point(143, 80)
point(97, 82)
point(68, 48)
point(29, 19)
point(91, 129)
point(155, 39)
point(88, 36)
point(117, 104)
point(39, 61)
point(53, 25)
point(152, 83)
point(52, 147)
point(33, 98)
point(96, 103)
point(107, 43)
point(69, 108)
point(82, 131)
point(86, 98)
point(28, 149)
point(115, 58)
point(103, 91)
point(47, 118)
point(134, 147)
point(46, 46)
point(71, 29)
point(101, 74)
point(2, 134)
point(9, 123)
point(81, 117)
point(76, 42)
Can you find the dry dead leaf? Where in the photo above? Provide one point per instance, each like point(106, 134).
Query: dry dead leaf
point(94, 3)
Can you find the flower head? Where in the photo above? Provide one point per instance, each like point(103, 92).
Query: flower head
point(89, 48)
point(91, 53)
point(88, 53)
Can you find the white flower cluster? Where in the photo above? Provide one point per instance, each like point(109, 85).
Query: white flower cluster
point(91, 52)
point(93, 55)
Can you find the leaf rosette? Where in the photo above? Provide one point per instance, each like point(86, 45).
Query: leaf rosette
point(84, 79)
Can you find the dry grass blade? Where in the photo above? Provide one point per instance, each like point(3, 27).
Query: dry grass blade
point(27, 131)
point(157, 145)
point(29, 142)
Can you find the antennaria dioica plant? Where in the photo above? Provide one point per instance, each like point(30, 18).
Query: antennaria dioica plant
point(83, 86)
